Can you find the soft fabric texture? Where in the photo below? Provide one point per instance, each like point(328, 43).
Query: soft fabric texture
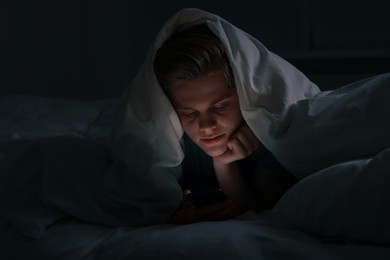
point(307, 130)
point(45, 180)
point(347, 201)
point(31, 118)
point(261, 239)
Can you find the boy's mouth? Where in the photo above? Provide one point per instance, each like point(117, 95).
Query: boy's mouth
point(212, 139)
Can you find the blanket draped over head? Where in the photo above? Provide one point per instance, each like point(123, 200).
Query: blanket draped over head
point(306, 129)
point(336, 142)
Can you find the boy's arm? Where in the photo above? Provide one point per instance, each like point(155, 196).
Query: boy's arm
point(262, 192)
point(241, 144)
point(235, 188)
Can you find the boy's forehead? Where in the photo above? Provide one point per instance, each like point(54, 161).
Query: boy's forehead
point(190, 101)
point(210, 88)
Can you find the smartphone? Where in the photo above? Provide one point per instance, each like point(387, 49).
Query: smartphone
point(202, 198)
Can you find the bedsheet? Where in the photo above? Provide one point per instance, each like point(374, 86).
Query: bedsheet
point(261, 237)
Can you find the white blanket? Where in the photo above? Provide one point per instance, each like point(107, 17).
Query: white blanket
point(337, 142)
point(306, 129)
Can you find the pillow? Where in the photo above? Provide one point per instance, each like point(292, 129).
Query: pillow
point(20, 190)
point(28, 117)
point(46, 180)
point(348, 201)
point(100, 129)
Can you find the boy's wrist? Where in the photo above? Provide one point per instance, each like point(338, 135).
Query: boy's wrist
point(225, 172)
point(221, 165)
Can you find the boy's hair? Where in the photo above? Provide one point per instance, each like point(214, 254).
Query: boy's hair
point(189, 54)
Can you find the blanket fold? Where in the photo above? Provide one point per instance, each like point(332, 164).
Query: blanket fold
point(307, 130)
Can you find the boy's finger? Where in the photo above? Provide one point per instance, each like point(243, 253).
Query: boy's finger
point(203, 213)
point(247, 146)
point(239, 150)
point(186, 203)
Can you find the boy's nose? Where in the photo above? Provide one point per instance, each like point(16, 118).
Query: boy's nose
point(207, 122)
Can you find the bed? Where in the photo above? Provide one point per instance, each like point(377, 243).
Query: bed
point(309, 222)
point(54, 157)
point(77, 127)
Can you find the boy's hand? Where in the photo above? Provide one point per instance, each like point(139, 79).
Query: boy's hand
point(190, 214)
point(240, 145)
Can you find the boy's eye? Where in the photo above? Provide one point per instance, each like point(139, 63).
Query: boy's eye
point(189, 114)
point(219, 107)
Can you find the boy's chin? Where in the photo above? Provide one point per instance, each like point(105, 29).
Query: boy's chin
point(215, 152)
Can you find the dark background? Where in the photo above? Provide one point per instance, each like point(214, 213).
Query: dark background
point(92, 49)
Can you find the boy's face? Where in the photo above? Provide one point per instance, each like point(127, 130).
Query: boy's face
point(209, 111)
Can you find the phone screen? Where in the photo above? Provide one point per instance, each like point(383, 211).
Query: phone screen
point(206, 197)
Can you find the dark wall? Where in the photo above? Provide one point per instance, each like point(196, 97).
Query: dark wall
point(66, 48)
point(91, 49)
